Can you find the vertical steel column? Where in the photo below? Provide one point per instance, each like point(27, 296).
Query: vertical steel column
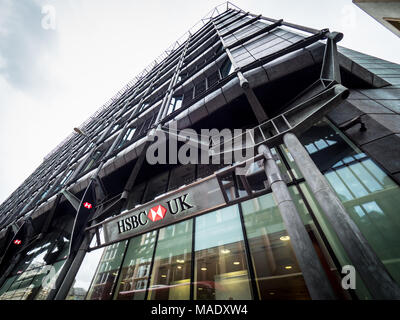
point(167, 100)
point(314, 275)
point(368, 265)
point(72, 270)
point(139, 162)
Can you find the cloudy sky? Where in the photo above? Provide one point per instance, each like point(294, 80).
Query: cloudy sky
point(52, 80)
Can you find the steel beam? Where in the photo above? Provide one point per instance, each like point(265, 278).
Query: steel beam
point(256, 34)
point(71, 271)
point(74, 201)
point(330, 65)
point(288, 24)
point(244, 24)
point(255, 104)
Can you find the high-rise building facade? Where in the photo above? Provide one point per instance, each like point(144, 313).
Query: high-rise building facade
point(309, 211)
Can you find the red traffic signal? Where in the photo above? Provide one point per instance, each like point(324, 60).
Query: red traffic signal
point(17, 242)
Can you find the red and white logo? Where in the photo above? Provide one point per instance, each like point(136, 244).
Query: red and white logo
point(157, 213)
point(87, 205)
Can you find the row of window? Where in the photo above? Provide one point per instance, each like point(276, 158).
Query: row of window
point(202, 258)
point(202, 85)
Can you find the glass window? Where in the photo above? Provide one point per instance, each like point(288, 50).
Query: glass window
point(278, 275)
point(130, 132)
point(370, 197)
point(6, 286)
point(170, 278)
point(333, 240)
point(176, 103)
point(93, 159)
point(45, 193)
point(188, 96)
point(143, 107)
point(65, 178)
point(132, 283)
point(200, 87)
point(226, 68)
point(34, 275)
point(107, 271)
point(46, 281)
point(85, 275)
point(221, 271)
point(114, 128)
point(373, 205)
point(212, 79)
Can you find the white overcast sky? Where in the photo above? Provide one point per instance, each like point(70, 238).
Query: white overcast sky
point(53, 80)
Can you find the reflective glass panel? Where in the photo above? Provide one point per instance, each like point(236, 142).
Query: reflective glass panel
point(221, 271)
point(333, 240)
point(85, 275)
point(170, 278)
point(370, 196)
point(135, 270)
point(37, 270)
point(107, 271)
point(278, 275)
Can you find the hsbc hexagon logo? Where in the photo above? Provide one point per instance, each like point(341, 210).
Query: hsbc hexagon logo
point(157, 213)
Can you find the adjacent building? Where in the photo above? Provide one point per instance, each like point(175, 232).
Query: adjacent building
point(386, 12)
point(314, 215)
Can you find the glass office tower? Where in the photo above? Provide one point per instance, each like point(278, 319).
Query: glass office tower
point(96, 221)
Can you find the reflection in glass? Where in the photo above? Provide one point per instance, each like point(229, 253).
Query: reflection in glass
point(170, 278)
point(85, 274)
point(372, 200)
point(107, 271)
point(277, 273)
point(135, 270)
point(333, 240)
point(32, 271)
point(226, 68)
point(221, 271)
point(370, 197)
point(46, 281)
point(175, 104)
point(6, 285)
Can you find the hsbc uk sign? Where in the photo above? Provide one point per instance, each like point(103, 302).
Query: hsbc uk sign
point(175, 206)
point(171, 208)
